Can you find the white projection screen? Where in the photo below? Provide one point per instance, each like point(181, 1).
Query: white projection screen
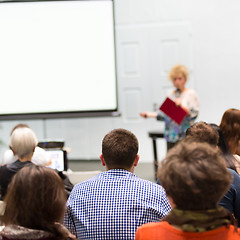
point(57, 59)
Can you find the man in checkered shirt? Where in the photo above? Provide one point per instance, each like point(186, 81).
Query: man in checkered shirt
point(114, 203)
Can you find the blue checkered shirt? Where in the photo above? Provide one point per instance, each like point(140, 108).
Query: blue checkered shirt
point(113, 204)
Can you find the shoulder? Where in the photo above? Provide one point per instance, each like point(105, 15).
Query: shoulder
point(9, 157)
point(151, 225)
point(236, 180)
point(153, 193)
point(86, 185)
point(40, 157)
point(153, 231)
point(129, 181)
point(149, 185)
point(230, 232)
point(19, 232)
point(190, 92)
point(234, 174)
point(170, 93)
point(4, 169)
point(165, 231)
point(3, 172)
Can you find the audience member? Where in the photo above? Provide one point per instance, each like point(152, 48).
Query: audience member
point(114, 203)
point(35, 206)
point(195, 178)
point(23, 143)
point(39, 156)
point(202, 132)
point(230, 126)
point(228, 156)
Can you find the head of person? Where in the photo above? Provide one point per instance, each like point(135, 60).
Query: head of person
point(20, 125)
point(178, 75)
point(119, 150)
point(202, 132)
point(221, 140)
point(35, 199)
point(223, 147)
point(194, 176)
point(230, 126)
point(23, 142)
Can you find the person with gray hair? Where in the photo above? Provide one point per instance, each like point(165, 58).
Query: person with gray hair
point(23, 143)
point(40, 156)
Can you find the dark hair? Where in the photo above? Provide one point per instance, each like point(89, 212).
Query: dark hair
point(119, 148)
point(194, 175)
point(222, 144)
point(35, 199)
point(230, 126)
point(202, 132)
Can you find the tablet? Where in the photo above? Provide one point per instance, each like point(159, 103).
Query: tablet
point(57, 158)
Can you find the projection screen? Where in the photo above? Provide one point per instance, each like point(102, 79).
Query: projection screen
point(57, 59)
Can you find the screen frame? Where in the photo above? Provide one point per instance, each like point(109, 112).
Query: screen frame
point(69, 114)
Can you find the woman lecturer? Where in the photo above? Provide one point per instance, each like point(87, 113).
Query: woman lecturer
point(183, 97)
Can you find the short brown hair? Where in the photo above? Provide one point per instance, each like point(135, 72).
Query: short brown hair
point(202, 132)
point(35, 199)
point(119, 148)
point(178, 69)
point(195, 176)
point(230, 126)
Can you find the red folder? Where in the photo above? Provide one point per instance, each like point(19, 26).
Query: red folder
point(176, 113)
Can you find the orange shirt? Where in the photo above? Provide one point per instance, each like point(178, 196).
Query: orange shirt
point(163, 230)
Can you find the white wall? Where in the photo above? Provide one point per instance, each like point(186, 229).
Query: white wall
point(151, 36)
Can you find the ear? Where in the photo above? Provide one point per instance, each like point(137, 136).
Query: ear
point(173, 205)
point(102, 160)
point(136, 160)
point(14, 153)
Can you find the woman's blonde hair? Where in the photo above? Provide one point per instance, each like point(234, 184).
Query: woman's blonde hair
point(178, 69)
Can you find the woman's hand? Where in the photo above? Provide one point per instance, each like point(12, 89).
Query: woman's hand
point(148, 114)
point(178, 102)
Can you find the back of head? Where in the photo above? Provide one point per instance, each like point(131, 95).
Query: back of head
point(23, 141)
point(230, 126)
point(176, 70)
point(119, 149)
point(221, 140)
point(195, 176)
point(35, 198)
point(20, 125)
point(202, 132)
point(228, 156)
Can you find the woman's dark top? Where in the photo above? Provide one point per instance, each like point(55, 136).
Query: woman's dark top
point(6, 174)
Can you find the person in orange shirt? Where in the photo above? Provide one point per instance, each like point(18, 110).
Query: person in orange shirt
point(195, 178)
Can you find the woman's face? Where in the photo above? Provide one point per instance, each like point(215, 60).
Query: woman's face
point(179, 81)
